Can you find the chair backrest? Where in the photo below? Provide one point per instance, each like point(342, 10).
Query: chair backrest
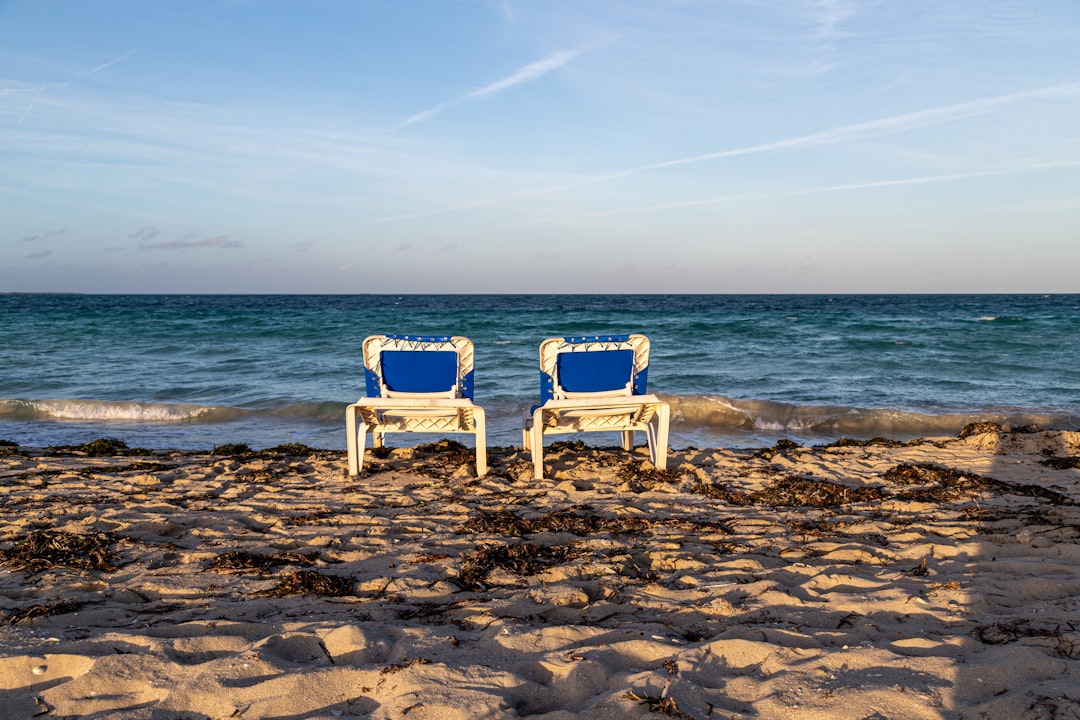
point(418, 366)
point(596, 366)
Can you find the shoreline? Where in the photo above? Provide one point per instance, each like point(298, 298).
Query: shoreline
point(923, 579)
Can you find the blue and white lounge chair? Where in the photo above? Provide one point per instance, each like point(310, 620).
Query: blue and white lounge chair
point(596, 384)
point(415, 384)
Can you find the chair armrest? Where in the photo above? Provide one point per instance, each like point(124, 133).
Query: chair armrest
point(614, 401)
point(405, 403)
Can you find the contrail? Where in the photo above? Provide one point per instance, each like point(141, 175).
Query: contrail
point(532, 71)
point(67, 83)
point(846, 133)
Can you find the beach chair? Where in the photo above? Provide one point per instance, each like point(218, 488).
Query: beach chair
point(596, 384)
point(415, 384)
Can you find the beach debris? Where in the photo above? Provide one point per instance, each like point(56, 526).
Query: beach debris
point(7, 447)
point(403, 665)
point(640, 478)
point(782, 447)
point(443, 457)
point(578, 520)
point(232, 450)
point(44, 550)
point(872, 442)
point(663, 705)
point(236, 561)
point(60, 607)
point(978, 428)
point(139, 467)
point(102, 447)
point(310, 582)
point(519, 558)
point(948, 484)
point(1061, 463)
point(294, 449)
point(919, 570)
point(793, 491)
point(1000, 633)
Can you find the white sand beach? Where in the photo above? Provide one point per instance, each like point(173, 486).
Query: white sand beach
point(932, 579)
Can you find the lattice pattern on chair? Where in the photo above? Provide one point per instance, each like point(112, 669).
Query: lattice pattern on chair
point(376, 345)
point(425, 397)
point(608, 395)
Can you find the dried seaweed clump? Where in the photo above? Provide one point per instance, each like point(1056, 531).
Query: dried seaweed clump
point(43, 550)
point(579, 521)
point(60, 607)
point(309, 582)
point(800, 492)
point(1057, 463)
point(1001, 633)
point(948, 484)
point(7, 447)
point(642, 479)
point(103, 447)
point(521, 559)
point(444, 455)
point(239, 561)
point(794, 491)
point(665, 705)
point(782, 447)
point(979, 428)
point(292, 449)
point(232, 450)
point(872, 442)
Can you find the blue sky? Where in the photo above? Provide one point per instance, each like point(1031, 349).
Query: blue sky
point(540, 146)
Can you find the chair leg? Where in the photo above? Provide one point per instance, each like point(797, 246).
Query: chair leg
point(537, 432)
point(350, 440)
point(481, 442)
point(628, 440)
point(658, 436)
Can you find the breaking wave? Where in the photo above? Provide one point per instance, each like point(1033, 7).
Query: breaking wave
point(725, 415)
point(105, 411)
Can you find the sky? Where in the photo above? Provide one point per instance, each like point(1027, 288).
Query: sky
point(539, 146)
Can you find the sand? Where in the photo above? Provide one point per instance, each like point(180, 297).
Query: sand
point(933, 579)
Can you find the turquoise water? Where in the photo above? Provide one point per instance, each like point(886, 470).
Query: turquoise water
point(192, 372)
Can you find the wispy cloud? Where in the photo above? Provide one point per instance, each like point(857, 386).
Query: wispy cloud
point(39, 255)
point(144, 234)
point(843, 134)
point(862, 131)
point(44, 236)
point(530, 72)
point(218, 241)
point(831, 13)
point(848, 187)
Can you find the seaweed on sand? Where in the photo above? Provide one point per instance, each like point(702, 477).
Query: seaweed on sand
point(942, 484)
point(1000, 633)
point(580, 520)
point(60, 607)
point(309, 582)
point(43, 550)
point(520, 559)
point(793, 491)
point(232, 450)
point(642, 479)
point(239, 561)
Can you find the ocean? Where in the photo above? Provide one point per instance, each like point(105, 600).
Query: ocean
point(192, 372)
